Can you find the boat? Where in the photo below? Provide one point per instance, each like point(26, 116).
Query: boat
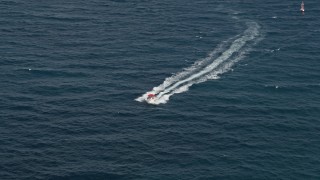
point(302, 7)
point(151, 98)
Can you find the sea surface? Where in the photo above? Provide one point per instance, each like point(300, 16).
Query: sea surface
point(237, 85)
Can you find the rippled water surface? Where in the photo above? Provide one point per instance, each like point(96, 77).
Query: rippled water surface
point(237, 84)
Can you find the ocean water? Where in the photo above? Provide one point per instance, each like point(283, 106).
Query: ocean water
point(237, 85)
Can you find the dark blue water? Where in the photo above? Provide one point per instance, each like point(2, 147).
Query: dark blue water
point(71, 71)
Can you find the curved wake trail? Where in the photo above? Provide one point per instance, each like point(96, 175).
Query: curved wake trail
point(207, 68)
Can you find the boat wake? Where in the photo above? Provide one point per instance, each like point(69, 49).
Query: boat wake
point(219, 61)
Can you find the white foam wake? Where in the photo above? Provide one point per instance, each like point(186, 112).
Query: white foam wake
point(210, 67)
